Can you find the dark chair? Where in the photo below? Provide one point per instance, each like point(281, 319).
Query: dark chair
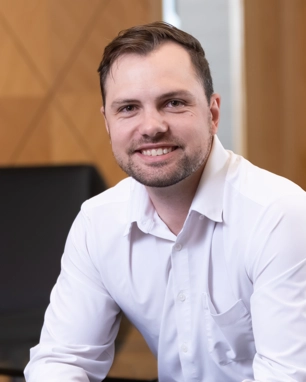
point(37, 208)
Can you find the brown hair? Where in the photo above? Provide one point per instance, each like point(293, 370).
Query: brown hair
point(143, 39)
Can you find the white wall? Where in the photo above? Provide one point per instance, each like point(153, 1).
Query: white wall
point(211, 22)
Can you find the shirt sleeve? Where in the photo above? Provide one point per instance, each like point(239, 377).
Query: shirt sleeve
point(82, 320)
point(278, 304)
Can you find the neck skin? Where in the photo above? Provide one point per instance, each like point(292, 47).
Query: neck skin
point(173, 203)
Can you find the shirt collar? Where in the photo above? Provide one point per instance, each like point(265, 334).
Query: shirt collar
point(141, 209)
point(208, 199)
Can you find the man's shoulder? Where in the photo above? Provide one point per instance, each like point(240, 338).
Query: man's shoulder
point(258, 185)
point(260, 211)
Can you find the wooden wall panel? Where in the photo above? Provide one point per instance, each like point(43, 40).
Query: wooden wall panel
point(16, 113)
point(294, 89)
point(275, 47)
point(49, 87)
point(25, 41)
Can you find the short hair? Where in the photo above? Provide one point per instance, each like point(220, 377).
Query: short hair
point(143, 39)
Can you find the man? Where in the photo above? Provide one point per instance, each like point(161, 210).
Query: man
point(201, 250)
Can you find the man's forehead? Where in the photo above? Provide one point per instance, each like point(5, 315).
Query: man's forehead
point(138, 57)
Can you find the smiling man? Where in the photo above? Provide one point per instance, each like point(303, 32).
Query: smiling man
point(201, 250)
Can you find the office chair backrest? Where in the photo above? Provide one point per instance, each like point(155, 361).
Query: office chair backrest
point(37, 208)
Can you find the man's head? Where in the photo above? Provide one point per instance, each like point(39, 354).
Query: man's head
point(160, 117)
point(144, 39)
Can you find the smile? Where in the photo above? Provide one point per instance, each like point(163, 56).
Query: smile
point(157, 152)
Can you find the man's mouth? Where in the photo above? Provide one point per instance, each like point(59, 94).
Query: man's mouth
point(157, 151)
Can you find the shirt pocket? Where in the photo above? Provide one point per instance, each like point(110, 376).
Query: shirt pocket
point(230, 335)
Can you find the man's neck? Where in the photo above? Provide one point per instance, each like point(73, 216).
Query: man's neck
point(173, 203)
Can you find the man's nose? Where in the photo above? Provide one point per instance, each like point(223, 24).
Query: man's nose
point(152, 124)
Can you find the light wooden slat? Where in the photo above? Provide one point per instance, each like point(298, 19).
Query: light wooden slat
point(52, 142)
point(5, 379)
point(293, 58)
point(262, 44)
point(275, 82)
point(16, 113)
point(27, 22)
point(133, 357)
point(17, 77)
point(68, 23)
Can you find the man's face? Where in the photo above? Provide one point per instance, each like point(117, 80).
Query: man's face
point(157, 116)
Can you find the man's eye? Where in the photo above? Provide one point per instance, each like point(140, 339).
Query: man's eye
point(175, 103)
point(127, 109)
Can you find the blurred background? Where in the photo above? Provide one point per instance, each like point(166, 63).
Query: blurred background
point(50, 97)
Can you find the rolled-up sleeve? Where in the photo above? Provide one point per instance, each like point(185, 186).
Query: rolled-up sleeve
point(82, 320)
point(278, 304)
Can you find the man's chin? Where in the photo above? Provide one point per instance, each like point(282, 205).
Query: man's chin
point(159, 176)
point(159, 182)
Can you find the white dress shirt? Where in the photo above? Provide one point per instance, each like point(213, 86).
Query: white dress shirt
point(224, 301)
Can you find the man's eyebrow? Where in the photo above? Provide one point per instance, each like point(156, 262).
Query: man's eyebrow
point(176, 93)
point(123, 101)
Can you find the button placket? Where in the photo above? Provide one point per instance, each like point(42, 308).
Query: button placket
point(180, 263)
point(184, 348)
point(181, 297)
point(178, 246)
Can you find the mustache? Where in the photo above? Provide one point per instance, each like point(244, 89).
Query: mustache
point(156, 139)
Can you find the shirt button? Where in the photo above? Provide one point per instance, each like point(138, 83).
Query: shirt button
point(201, 217)
point(182, 297)
point(178, 246)
point(184, 348)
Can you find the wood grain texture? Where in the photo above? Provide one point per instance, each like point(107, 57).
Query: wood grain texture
point(275, 47)
point(130, 347)
point(49, 88)
point(5, 379)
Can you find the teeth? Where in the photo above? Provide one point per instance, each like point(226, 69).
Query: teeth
point(156, 152)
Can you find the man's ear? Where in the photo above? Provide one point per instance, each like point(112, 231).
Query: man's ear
point(102, 110)
point(214, 107)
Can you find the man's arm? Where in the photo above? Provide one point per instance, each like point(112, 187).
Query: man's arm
point(82, 320)
point(278, 304)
